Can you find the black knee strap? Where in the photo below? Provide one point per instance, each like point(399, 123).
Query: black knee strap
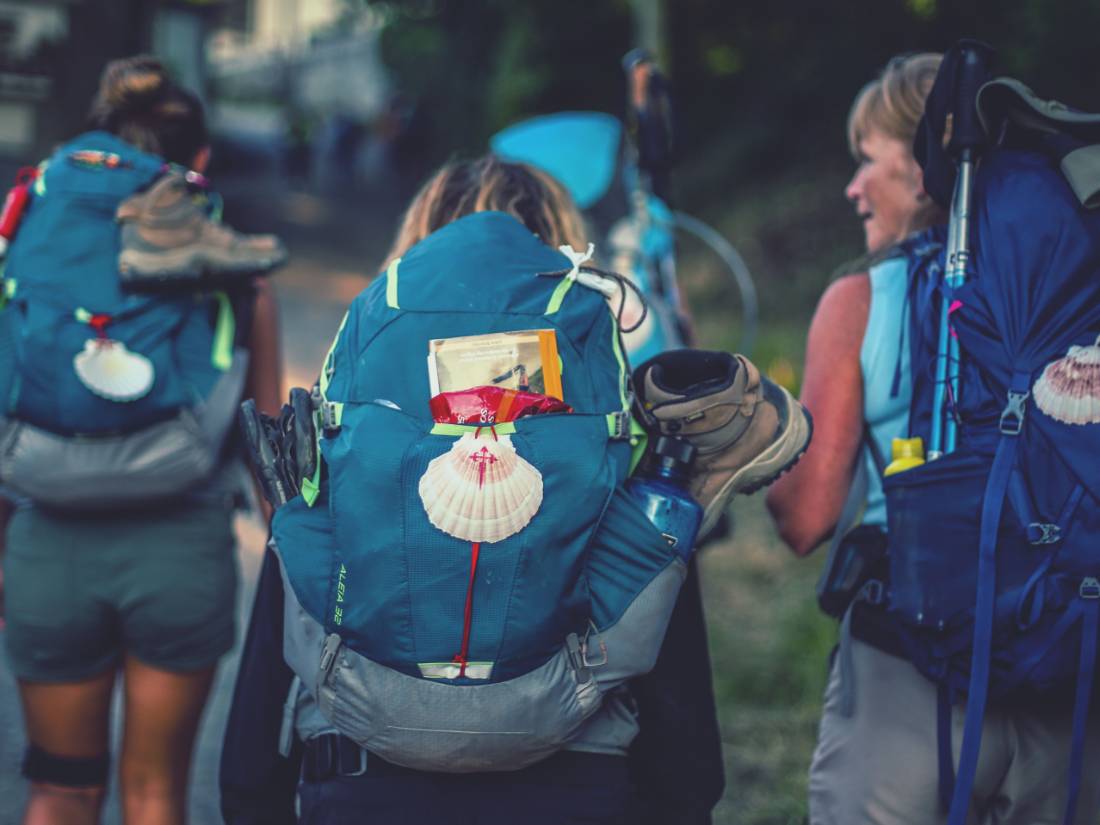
point(70, 771)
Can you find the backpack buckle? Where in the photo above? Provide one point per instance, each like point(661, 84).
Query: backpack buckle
point(328, 655)
point(1090, 588)
point(619, 425)
point(1012, 417)
point(1039, 532)
point(575, 655)
point(873, 592)
point(330, 423)
point(599, 641)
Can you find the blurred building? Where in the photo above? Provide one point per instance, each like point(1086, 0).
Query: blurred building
point(310, 55)
point(52, 51)
point(268, 69)
point(297, 87)
point(26, 30)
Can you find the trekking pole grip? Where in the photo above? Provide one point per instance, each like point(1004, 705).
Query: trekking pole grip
point(967, 131)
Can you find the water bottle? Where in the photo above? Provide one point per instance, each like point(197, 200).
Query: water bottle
point(662, 492)
point(907, 454)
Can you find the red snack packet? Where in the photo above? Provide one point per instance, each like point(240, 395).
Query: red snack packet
point(490, 405)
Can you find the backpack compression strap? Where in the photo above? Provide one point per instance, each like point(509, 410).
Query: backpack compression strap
point(1085, 610)
point(1011, 424)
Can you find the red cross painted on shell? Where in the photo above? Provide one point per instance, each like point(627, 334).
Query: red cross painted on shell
point(481, 490)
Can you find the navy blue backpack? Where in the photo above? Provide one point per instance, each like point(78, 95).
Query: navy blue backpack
point(995, 547)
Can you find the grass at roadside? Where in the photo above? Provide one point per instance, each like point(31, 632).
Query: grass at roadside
point(769, 646)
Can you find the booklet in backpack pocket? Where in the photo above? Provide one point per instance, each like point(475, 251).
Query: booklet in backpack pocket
point(526, 360)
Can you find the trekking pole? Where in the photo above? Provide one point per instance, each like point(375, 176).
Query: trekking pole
point(967, 139)
point(650, 116)
point(649, 109)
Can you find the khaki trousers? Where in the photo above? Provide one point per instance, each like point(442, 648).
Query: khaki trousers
point(879, 766)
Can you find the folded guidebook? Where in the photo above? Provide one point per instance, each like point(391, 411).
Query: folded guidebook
point(526, 361)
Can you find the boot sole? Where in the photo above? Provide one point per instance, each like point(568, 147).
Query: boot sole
point(780, 456)
point(182, 262)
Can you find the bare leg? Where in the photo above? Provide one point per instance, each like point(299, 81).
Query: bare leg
point(162, 716)
point(68, 720)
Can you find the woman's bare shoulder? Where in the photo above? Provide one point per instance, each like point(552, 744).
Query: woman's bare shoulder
point(841, 314)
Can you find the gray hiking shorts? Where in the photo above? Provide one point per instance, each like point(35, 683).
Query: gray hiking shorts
point(83, 590)
point(879, 767)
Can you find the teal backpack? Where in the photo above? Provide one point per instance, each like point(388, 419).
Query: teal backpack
point(65, 441)
point(445, 653)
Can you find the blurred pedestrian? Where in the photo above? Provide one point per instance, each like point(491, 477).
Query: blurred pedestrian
point(878, 758)
point(479, 217)
point(145, 589)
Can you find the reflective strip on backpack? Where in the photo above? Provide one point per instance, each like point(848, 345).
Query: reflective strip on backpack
point(443, 428)
point(225, 330)
point(326, 417)
point(450, 670)
point(39, 188)
point(327, 367)
point(311, 487)
point(391, 284)
point(616, 346)
point(558, 295)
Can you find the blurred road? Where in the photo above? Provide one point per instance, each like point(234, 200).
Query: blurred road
point(334, 242)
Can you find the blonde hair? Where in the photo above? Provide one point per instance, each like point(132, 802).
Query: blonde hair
point(893, 103)
point(489, 184)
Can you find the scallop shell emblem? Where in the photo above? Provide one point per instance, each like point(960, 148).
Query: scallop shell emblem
point(481, 490)
point(111, 371)
point(1069, 388)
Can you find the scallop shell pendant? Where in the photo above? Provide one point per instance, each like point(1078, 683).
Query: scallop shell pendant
point(481, 490)
point(111, 371)
point(1069, 388)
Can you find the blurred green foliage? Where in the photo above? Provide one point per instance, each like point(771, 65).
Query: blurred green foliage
point(474, 66)
point(771, 78)
point(761, 92)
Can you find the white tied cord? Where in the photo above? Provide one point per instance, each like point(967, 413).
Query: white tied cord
point(576, 258)
point(605, 286)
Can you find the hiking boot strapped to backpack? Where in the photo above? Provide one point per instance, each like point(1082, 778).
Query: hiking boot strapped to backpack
point(109, 397)
point(169, 237)
point(746, 429)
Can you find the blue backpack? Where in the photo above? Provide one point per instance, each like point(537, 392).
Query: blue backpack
point(436, 652)
point(64, 441)
point(995, 548)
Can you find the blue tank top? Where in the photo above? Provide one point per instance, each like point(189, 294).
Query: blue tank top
point(884, 363)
